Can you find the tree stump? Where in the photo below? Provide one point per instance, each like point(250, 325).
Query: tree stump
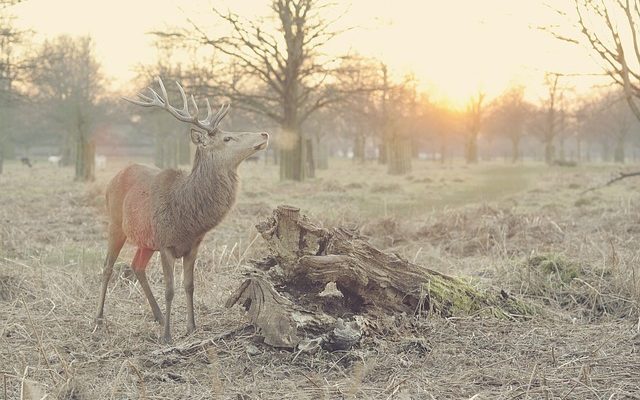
point(306, 260)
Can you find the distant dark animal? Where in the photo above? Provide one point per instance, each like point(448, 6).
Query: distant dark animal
point(170, 211)
point(26, 161)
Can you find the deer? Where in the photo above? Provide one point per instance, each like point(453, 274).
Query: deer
point(170, 211)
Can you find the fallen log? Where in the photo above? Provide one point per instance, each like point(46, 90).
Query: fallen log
point(290, 303)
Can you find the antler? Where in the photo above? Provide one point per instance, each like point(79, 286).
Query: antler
point(209, 124)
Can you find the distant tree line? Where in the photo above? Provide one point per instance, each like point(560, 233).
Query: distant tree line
point(279, 77)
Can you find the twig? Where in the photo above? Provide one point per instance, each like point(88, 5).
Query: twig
point(621, 176)
point(191, 347)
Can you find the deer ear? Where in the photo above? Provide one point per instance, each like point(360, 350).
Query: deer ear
point(197, 137)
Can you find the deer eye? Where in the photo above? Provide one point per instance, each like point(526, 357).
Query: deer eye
point(227, 138)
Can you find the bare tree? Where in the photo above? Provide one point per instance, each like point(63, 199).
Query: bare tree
point(398, 102)
point(12, 69)
point(359, 113)
point(612, 120)
point(508, 118)
point(474, 117)
point(68, 82)
point(280, 73)
point(610, 28)
point(549, 118)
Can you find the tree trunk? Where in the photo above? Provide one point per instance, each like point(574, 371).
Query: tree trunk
point(399, 155)
point(85, 160)
point(359, 148)
point(311, 160)
point(549, 152)
point(293, 149)
point(471, 148)
point(562, 155)
point(291, 164)
point(337, 285)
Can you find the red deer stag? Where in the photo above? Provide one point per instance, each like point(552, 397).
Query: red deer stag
point(170, 211)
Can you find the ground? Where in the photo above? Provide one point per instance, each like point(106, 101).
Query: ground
point(525, 229)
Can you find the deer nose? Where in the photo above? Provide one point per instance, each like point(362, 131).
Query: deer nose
point(265, 135)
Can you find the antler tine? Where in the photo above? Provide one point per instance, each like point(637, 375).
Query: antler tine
point(210, 116)
point(209, 124)
point(224, 110)
point(195, 105)
point(185, 103)
point(146, 101)
point(165, 96)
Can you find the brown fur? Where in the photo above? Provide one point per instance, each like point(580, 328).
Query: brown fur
point(170, 211)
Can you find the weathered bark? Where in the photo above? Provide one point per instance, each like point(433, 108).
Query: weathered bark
point(370, 284)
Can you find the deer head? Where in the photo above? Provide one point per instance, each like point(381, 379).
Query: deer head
point(230, 148)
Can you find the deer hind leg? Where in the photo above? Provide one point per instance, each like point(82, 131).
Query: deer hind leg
point(139, 265)
point(168, 260)
point(116, 241)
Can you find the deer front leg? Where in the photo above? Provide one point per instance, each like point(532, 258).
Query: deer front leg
point(188, 263)
point(167, 267)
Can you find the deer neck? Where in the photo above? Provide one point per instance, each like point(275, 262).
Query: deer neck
point(210, 188)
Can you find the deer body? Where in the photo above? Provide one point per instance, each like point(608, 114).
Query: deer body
point(160, 209)
point(170, 211)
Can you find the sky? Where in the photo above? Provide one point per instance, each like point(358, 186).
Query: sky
point(455, 48)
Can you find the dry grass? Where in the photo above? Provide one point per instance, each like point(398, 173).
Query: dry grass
point(576, 257)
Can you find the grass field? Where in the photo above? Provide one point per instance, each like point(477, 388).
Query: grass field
point(526, 229)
